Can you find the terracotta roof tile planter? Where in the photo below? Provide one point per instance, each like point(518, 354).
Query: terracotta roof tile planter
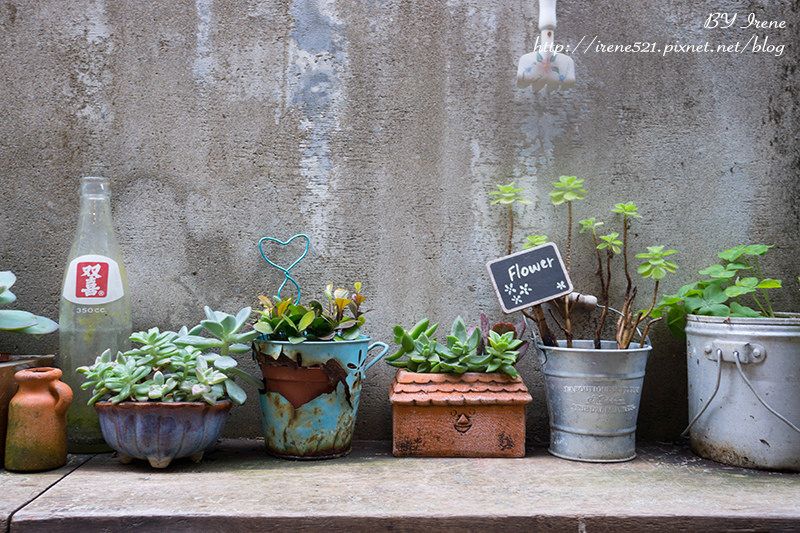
point(458, 415)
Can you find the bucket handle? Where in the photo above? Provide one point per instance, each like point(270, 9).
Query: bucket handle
point(377, 357)
point(738, 362)
point(540, 354)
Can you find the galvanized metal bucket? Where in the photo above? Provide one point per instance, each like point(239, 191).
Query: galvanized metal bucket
point(320, 427)
point(744, 390)
point(593, 400)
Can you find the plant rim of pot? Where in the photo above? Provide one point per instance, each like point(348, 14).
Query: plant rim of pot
point(129, 404)
point(780, 316)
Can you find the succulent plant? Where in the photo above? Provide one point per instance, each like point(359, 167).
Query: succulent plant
point(463, 343)
point(518, 330)
point(502, 353)
point(340, 318)
point(224, 330)
point(16, 320)
point(171, 366)
point(463, 352)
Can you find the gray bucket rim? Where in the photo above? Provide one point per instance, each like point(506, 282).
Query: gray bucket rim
point(590, 348)
point(781, 319)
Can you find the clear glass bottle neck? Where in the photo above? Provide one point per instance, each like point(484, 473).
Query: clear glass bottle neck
point(95, 233)
point(95, 203)
point(95, 188)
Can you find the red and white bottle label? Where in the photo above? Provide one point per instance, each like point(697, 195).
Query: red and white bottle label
point(92, 280)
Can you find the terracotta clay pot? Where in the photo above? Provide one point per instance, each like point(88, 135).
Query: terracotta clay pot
point(161, 431)
point(37, 423)
point(8, 387)
point(298, 385)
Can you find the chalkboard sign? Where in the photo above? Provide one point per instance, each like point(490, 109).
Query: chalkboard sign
point(529, 277)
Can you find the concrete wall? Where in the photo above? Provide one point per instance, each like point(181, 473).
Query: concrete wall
point(379, 127)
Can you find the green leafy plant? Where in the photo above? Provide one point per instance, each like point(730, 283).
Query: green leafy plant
point(16, 320)
point(738, 275)
point(532, 241)
point(224, 330)
point(517, 329)
point(629, 212)
point(339, 318)
point(605, 247)
point(461, 343)
point(508, 195)
point(566, 190)
point(569, 189)
point(171, 366)
point(654, 267)
point(423, 352)
point(464, 350)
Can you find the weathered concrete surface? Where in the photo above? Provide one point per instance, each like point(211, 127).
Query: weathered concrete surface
point(238, 488)
point(379, 127)
point(20, 488)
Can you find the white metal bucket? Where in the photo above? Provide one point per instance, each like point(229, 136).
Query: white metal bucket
point(593, 400)
point(733, 423)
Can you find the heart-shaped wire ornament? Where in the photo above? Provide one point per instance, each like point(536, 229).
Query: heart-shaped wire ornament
point(287, 276)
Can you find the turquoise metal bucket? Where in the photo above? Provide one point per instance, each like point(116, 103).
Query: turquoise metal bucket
point(320, 424)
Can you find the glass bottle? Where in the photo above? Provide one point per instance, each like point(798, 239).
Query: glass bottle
point(95, 311)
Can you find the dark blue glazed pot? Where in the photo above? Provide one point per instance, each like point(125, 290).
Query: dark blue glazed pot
point(161, 431)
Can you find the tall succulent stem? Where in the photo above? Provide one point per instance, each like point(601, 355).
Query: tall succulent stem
point(510, 229)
